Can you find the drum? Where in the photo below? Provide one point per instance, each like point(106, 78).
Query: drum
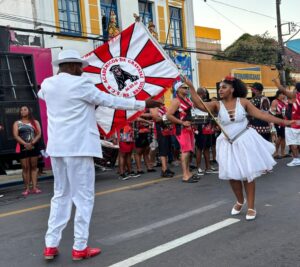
point(200, 119)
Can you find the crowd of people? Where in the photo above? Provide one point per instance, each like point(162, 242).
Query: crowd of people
point(249, 127)
point(233, 131)
point(160, 135)
point(164, 137)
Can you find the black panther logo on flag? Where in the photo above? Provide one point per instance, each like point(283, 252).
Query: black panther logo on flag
point(121, 76)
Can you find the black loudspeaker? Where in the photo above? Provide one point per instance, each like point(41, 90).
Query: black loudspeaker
point(4, 39)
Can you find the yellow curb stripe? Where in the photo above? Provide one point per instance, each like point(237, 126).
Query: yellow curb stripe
point(101, 193)
point(133, 186)
point(2, 215)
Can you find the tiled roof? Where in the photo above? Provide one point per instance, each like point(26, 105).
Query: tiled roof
point(292, 59)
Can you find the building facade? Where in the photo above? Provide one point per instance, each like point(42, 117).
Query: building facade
point(78, 20)
point(208, 42)
point(213, 71)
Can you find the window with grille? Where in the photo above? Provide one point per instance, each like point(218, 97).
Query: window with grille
point(145, 11)
point(69, 17)
point(176, 26)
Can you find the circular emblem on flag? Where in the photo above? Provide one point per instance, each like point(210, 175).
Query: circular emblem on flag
point(122, 76)
point(131, 65)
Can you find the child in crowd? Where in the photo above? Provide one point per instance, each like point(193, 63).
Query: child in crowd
point(126, 144)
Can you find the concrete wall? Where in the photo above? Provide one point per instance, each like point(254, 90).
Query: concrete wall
point(19, 9)
point(213, 71)
point(126, 9)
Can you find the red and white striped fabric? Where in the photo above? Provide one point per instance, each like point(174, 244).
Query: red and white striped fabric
point(185, 105)
point(133, 64)
point(296, 111)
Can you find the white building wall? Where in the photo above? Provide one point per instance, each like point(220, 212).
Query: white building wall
point(126, 8)
point(46, 13)
point(21, 9)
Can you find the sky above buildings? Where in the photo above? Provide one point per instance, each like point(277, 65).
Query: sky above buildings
point(233, 22)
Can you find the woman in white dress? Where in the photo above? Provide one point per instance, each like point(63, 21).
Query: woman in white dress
point(245, 155)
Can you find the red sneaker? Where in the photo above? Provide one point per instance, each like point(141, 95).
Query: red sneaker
point(84, 254)
point(50, 253)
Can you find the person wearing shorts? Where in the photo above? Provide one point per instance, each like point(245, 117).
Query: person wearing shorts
point(179, 113)
point(164, 139)
point(142, 142)
point(278, 108)
point(203, 137)
point(292, 137)
point(126, 146)
point(27, 133)
point(292, 134)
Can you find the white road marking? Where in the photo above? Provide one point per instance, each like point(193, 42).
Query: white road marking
point(125, 236)
point(174, 243)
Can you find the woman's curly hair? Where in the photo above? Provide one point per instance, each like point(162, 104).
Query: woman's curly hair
point(240, 88)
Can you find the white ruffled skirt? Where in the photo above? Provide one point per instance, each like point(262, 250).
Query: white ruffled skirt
point(248, 157)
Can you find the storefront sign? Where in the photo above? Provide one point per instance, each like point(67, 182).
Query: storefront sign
point(247, 75)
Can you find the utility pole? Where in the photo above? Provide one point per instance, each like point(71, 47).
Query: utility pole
point(280, 65)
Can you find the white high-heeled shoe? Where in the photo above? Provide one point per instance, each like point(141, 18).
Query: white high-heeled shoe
point(235, 211)
point(251, 217)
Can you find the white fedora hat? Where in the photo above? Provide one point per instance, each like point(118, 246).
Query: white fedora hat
point(69, 56)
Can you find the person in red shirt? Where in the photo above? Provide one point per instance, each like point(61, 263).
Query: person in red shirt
point(204, 138)
point(164, 138)
point(179, 113)
point(142, 142)
point(126, 144)
point(292, 134)
point(278, 108)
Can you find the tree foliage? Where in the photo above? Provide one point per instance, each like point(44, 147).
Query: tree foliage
point(256, 49)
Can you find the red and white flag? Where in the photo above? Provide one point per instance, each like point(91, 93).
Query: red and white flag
point(133, 64)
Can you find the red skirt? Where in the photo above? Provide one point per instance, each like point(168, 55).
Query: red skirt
point(126, 147)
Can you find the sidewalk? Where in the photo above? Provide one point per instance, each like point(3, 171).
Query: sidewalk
point(16, 178)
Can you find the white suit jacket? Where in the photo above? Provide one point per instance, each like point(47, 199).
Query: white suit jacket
point(72, 127)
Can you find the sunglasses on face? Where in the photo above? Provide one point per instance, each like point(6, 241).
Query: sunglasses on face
point(185, 87)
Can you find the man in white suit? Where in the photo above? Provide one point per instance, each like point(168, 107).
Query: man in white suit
point(73, 141)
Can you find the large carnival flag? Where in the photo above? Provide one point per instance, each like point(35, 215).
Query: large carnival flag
point(133, 64)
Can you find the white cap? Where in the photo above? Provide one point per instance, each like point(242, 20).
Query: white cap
point(178, 84)
point(69, 56)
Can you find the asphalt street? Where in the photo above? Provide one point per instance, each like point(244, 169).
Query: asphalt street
point(151, 222)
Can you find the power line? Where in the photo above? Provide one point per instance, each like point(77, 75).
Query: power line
point(292, 36)
point(54, 33)
point(226, 18)
point(14, 18)
point(189, 50)
point(244, 9)
point(27, 20)
point(192, 50)
point(30, 19)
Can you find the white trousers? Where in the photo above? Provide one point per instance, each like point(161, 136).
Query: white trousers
point(74, 182)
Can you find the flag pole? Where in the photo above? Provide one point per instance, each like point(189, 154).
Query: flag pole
point(214, 119)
